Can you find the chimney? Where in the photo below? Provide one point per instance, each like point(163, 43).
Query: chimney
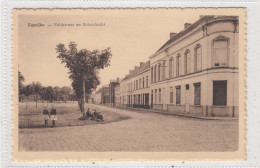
point(141, 63)
point(135, 67)
point(172, 34)
point(186, 25)
point(117, 79)
point(130, 71)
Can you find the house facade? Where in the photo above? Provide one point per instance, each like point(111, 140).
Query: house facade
point(196, 70)
point(134, 88)
point(112, 97)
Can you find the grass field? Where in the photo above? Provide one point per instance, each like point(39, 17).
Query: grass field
point(68, 114)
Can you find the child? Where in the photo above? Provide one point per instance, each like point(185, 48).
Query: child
point(53, 115)
point(46, 115)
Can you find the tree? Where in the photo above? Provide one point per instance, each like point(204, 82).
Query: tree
point(20, 85)
point(36, 87)
point(83, 67)
point(27, 91)
point(50, 93)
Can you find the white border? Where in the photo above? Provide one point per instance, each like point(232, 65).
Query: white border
point(253, 78)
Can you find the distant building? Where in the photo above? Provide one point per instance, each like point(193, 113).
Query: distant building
point(105, 98)
point(117, 95)
point(97, 97)
point(135, 87)
point(112, 85)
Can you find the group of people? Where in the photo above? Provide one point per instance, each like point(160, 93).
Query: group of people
point(93, 115)
point(52, 115)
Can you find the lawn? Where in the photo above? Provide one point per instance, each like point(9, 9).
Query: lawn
point(68, 114)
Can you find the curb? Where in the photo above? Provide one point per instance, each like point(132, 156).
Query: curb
point(175, 114)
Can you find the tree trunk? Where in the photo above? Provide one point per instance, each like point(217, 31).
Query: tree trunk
point(83, 97)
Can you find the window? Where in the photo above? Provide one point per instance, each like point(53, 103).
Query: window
point(163, 74)
point(197, 58)
point(220, 93)
point(155, 69)
point(187, 86)
point(170, 68)
point(136, 84)
point(160, 96)
point(159, 72)
point(143, 82)
point(147, 81)
point(140, 84)
point(155, 96)
point(196, 93)
point(220, 52)
point(187, 62)
point(178, 94)
point(178, 65)
point(152, 74)
point(171, 95)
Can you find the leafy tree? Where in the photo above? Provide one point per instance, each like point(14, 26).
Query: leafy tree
point(27, 91)
point(83, 68)
point(20, 85)
point(36, 87)
point(50, 93)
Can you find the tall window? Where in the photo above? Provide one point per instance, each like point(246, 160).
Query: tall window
point(187, 62)
point(170, 68)
point(136, 84)
point(171, 94)
point(178, 94)
point(152, 74)
point(197, 58)
point(196, 93)
point(178, 65)
point(220, 49)
point(143, 82)
point(163, 74)
point(160, 96)
point(140, 84)
point(155, 69)
point(155, 96)
point(220, 93)
point(147, 81)
point(159, 72)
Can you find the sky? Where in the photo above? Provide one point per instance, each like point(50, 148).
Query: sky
point(132, 35)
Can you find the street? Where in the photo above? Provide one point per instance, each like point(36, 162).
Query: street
point(142, 132)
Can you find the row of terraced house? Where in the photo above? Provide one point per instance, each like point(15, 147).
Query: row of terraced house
point(195, 71)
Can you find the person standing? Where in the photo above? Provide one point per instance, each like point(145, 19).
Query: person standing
point(53, 115)
point(46, 115)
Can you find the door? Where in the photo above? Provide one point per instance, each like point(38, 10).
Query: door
point(187, 98)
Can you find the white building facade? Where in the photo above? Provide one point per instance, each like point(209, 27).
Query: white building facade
point(196, 70)
point(134, 88)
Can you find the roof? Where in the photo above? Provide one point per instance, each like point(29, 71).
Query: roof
point(203, 19)
point(188, 29)
point(142, 68)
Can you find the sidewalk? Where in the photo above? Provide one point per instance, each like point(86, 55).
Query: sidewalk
point(180, 114)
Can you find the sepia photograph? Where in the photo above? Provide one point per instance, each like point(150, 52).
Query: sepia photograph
point(129, 83)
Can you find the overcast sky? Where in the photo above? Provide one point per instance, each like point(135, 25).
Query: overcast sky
point(132, 35)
